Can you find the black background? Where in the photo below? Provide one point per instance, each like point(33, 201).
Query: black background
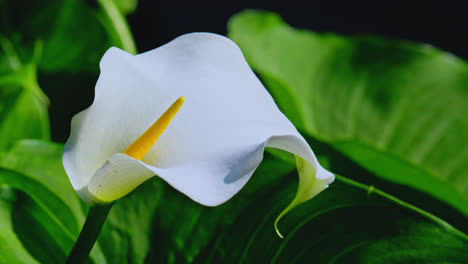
point(440, 23)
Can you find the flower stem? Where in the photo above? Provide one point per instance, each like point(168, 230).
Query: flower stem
point(92, 227)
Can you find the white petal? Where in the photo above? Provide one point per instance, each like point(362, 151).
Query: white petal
point(212, 146)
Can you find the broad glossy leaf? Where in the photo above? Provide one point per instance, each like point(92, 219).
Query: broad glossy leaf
point(347, 223)
point(396, 108)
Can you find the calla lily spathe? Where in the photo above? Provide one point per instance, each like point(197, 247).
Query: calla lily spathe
point(212, 146)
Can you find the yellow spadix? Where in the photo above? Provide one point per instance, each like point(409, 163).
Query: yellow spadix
point(142, 145)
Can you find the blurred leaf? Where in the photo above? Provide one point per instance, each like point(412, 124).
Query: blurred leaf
point(23, 111)
point(11, 249)
point(73, 33)
point(52, 216)
point(42, 161)
point(396, 108)
point(347, 223)
point(48, 218)
point(126, 6)
point(73, 38)
point(116, 26)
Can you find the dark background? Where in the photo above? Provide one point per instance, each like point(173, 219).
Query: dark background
point(440, 23)
point(154, 23)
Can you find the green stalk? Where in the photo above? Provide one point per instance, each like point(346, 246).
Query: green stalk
point(92, 227)
point(371, 189)
point(117, 26)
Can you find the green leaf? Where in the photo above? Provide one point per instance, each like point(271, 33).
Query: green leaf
point(125, 237)
point(23, 110)
point(48, 217)
point(394, 107)
point(40, 232)
point(51, 217)
point(42, 161)
point(126, 6)
point(75, 35)
point(11, 249)
point(347, 223)
point(183, 228)
point(116, 25)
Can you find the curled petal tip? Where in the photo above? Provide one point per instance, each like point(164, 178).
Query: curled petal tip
point(277, 220)
point(277, 230)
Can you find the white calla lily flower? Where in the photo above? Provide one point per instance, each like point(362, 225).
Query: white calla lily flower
point(212, 145)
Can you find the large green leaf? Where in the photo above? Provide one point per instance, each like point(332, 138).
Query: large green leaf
point(347, 223)
point(396, 108)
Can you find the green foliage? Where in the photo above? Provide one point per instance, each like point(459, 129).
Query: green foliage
point(125, 236)
point(126, 6)
point(348, 221)
point(115, 24)
point(12, 251)
point(396, 108)
point(73, 38)
point(45, 217)
point(48, 213)
point(75, 34)
point(23, 112)
point(49, 36)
